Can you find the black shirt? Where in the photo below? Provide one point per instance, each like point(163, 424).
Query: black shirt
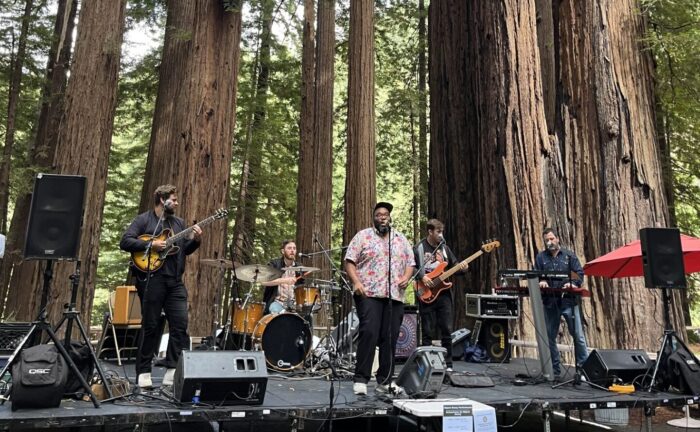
point(148, 223)
point(431, 261)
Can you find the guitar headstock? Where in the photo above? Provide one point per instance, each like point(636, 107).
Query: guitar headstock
point(221, 213)
point(490, 245)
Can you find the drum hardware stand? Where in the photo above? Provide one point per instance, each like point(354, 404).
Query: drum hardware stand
point(70, 314)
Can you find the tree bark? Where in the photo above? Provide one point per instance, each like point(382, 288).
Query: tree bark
point(13, 303)
point(192, 133)
point(611, 160)
point(82, 145)
point(422, 114)
point(12, 99)
point(545, 43)
point(597, 180)
point(306, 175)
point(360, 180)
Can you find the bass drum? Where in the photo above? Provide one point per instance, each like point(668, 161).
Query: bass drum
point(285, 338)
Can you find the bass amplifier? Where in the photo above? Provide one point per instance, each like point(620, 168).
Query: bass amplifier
point(493, 306)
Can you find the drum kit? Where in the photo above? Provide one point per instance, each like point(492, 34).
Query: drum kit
point(286, 337)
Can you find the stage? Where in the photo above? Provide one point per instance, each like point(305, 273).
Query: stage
point(298, 402)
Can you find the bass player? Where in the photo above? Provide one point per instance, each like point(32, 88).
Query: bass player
point(163, 288)
point(429, 253)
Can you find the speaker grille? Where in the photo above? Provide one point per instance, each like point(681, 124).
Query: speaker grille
point(662, 257)
point(55, 217)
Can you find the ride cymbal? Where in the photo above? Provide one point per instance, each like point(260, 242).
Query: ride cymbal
point(257, 273)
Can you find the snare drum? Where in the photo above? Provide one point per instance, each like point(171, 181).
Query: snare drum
point(244, 320)
point(285, 338)
point(305, 296)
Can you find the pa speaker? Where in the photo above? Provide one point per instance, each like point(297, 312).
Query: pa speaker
point(604, 367)
point(424, 372)
point(55, 217)
point(221, 377)
point(662, 258)
point(494, 338)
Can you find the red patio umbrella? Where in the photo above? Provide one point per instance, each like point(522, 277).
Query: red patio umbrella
point(626, 261)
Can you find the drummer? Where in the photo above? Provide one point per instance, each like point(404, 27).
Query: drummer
point(279, 293)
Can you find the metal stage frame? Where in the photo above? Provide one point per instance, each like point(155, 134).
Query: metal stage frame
point(298, 400)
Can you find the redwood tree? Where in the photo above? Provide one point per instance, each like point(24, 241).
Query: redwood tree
point(82, 148)
point(41, 158)
point(192, 133)
point(360, 181)
point(496, 172)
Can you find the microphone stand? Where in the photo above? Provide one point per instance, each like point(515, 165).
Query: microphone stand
point(309, 255)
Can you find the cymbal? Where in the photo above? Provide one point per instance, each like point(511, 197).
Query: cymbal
point(216, 262)
point(301, 269)
point(257, 273)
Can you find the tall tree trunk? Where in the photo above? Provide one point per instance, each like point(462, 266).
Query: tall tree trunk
point(306, 175)
point(249, 189)
point(610, 160)
point(597, 181)
point(192, 133)
point(41, 157)
point(13, 97)
point(83, 142)
point(545, 43)
point(488, 132)
point(360, 180)
point(422, 113)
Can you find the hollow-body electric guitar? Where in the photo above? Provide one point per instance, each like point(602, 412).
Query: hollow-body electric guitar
point(439, 275)
point(150, 260)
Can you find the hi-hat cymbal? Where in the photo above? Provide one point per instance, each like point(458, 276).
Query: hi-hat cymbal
point(301, 269)
point(257, 273)
point(216, 262)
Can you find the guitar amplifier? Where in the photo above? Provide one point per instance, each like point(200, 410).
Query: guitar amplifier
point(492, 306)
point(127, 306)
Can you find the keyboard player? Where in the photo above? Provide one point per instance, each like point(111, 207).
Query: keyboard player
point(558, 301)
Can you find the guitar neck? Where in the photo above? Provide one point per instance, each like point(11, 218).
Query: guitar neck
point(171, 240)
point(456, 268)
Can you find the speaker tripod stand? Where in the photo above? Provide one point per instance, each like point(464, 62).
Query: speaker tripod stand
point(70, 316)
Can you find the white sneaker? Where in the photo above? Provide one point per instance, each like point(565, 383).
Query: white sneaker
point(169, 377)
point(359, 388)
point(144, 380)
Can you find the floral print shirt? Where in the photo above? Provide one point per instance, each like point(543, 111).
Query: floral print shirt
point(370, 253)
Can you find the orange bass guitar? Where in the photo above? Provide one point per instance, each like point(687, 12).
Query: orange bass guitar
point(439, 276)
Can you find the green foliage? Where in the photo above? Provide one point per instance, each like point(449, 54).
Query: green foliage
point(674, 37)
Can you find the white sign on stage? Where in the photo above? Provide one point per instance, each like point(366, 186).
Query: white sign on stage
point(457, 418)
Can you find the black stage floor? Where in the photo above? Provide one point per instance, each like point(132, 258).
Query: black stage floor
point(298, 401)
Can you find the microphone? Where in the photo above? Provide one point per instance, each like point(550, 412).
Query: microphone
point(168, 204)
point(303, 255)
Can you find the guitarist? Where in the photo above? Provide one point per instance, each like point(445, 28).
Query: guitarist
point(561, 303)
point(430, 252)
point(162, 289)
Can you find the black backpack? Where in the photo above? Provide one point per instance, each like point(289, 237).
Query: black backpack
point(38, 378)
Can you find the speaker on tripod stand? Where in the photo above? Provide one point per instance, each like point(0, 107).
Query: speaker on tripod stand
point(53, 233)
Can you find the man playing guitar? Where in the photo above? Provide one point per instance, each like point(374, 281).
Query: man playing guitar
point(429, 253)
point(161, 289)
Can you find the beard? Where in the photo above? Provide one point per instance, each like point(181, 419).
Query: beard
point(381, 228)
point(552, 247)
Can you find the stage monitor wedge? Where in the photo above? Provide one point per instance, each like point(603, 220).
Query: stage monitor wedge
point(221, 377)
point(662, 258)
point(55, 217)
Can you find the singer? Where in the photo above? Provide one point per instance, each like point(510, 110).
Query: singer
point(279, 293)
point(561, 303)
point(430, 252)
point(162, 289)
point(380, 264)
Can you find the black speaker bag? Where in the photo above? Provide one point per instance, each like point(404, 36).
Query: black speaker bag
point(683, 372)
point(80, 354)
point(38, 378)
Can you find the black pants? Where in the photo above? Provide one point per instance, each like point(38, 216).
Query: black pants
point(438, 315)
point(380, 322)
point(169, 295)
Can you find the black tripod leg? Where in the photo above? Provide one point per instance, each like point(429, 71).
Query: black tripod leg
point(100, 372)
point(73, 367)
